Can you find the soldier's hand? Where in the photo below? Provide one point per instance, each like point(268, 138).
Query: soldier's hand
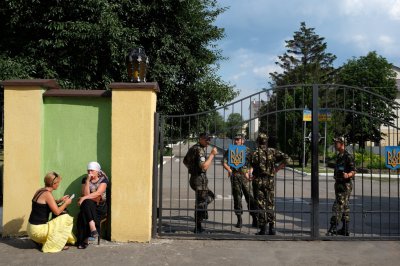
point(214, 151)
point(228, 176)
point(247, 176)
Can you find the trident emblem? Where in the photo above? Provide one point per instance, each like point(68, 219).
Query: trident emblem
point(236, 156)
point(392, 157)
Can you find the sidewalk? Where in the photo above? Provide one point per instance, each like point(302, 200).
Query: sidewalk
point(19, 251)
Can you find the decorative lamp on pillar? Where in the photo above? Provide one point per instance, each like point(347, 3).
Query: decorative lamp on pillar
point(137, 62)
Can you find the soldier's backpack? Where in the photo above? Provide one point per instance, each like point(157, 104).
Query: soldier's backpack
point(188, 161)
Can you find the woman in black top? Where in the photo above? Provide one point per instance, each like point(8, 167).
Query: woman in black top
point(54, 234)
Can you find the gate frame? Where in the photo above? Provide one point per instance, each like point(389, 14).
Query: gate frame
point(314, 211)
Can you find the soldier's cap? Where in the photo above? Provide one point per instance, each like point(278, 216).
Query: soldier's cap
point(262, 136)
point(239, 136)
point(205, 135)
point(338, 139)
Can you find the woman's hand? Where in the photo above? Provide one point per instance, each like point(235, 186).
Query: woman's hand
point(67, 200)
point(64, 198)
point(80, 200)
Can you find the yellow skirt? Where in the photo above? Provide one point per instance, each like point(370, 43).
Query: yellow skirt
point(54, 235)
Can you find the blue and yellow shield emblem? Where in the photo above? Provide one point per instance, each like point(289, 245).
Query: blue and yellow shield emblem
point(236, 156)
point(392, 157)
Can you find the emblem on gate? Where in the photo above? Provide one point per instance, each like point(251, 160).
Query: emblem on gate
point(236, 156)
point(392, 157)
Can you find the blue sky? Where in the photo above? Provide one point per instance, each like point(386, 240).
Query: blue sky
point(256, 31)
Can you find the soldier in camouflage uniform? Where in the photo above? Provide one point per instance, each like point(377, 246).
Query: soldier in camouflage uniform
point(344, 173)
point(197, 162)
point(240, 184)
point(264, 161)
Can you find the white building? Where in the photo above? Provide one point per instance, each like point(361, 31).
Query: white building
point(392, 134)
point(254, 123)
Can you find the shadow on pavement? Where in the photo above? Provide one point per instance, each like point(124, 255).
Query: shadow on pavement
point(20, 243)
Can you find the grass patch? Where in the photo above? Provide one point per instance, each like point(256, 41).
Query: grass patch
point(308, 169)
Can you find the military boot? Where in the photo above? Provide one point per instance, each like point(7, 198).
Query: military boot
point(254, 222)
point(332, 230)
point(239, 221)
point(198, 229)
point(344, 231)
point(263, 230)
point(271, 230)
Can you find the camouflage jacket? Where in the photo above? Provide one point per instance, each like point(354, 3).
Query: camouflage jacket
point(194, 158)
point(245, 167)
point(264, 159)
point(344, 164)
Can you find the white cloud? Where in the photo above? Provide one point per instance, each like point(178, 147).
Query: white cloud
point(237, 77)
point(389, 8)
point(394, 11)
point(360, 41)
point(263, 71)
point(384, 44)
point(388, 45)
point(385, 40)
point(352, 7)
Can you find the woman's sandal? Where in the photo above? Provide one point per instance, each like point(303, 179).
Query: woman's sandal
point(83, 246)
point(65, 248)
point(94, 234)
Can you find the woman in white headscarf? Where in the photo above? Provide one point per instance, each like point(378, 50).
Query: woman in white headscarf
point(93, 204)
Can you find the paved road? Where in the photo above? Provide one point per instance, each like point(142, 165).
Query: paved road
point(199, 252)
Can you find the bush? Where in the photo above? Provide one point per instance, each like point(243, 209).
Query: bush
point(367, 160)
point(362, 159)
point(167, 151)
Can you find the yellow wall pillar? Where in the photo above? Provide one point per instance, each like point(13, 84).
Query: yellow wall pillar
point(132, 133)
point(23, 121)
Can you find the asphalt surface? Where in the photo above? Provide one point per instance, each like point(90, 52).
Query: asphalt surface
point(19, 251)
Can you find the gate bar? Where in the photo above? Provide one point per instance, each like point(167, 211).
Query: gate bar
point(155, 175)
point(314, 165)
point(161, 154)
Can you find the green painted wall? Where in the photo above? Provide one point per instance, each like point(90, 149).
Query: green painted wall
point(76, 130)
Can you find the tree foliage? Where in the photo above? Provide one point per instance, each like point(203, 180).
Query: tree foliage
point(234, 125)
point(374, 74)
point(83, 45)
point(304, 62)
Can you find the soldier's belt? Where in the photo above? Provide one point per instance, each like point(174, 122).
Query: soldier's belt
point(342, 180)
point(238, 174)
point(264, 176)
point(198, 173)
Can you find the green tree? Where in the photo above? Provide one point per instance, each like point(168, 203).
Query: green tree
point(375, 74)
point(83, 45)
point(234, 125)
point(218, 125)
point(304, 62)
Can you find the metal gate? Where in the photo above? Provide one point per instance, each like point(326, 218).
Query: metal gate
point(304, 190)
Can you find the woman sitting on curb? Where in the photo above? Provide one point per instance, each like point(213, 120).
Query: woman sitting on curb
point(92, 204)
point(54, 234)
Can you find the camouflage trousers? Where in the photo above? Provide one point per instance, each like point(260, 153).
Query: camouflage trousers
point(264, 194)
point(204, 196)
point(241, 186)
point(340, 208)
